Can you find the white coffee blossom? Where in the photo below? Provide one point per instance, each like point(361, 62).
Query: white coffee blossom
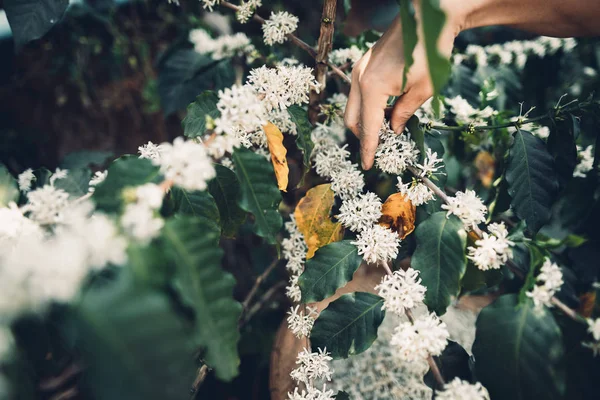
point(294, 248)
point(140, 222)
point(282, 86)
point(458, 389)
point(150, 194)
point(493, 250)
point(46, 204)
point(540, 131)
point(104, 243)
point(594, 328)
point(468, 207)
point(426, 113)
point(150, 151)
point(427, 336)
point(466, 114)
point(586, 161)
point(312, 366)
point(401, 291)
point(395, 152)
point(341, 56)
point(14, 227)
point(98, 178)
point(278, 26)
point(241, 111)
point(186, 164)
point(377, 244)
point(300, 323)
point(330, 160)
point(339, 99)
point(292, 290)
point(225, 46)
point(311, 393)
point(348, 181)
point(361, 212)
point(25, 179)
point(548, 283)
point(209, 4)
point(247, 9)
point(431, 164)
point(417, 192)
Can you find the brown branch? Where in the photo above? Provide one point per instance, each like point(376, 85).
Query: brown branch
point(257, 283)
point(261, 302)
point(324, 46)
point(200, 377)
point(296, 40)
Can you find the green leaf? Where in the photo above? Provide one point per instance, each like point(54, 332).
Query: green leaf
point(76, 183)
point(409, 36)
point(225, 189)
point(440, 257)
point(348, 325)
point(124, 172)
point(342, 396)
point(32, 19)
point(194, 123)
point(523, 346)
point(433, 20)
point(330, 269)
point(260, 195)
point(304, 142)
point(133, 343)
point(9, 190)
point(532, 181)
point(192, 243)
point(85, 158)
point(195, 203)
point(184, 74)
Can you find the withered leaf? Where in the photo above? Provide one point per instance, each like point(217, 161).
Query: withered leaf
point(486, 167)
point(398, 214)
point(278, 153)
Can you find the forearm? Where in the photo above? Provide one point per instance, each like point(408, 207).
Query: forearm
point(545, 17)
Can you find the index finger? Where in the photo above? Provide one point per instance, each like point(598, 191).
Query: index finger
point(371, 118)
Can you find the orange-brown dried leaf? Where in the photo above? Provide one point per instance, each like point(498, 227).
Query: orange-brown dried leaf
point(587, 302)
point(313, 220)
point(278, 153)
point(486, 167)
point(398, 214)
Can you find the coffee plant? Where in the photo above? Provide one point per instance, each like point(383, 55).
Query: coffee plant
point(121, 283)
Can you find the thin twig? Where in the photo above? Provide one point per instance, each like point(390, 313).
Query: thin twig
point(296, 40)
point(324, 46)
point(261, 302)
point(200, 377)
point(257, 283)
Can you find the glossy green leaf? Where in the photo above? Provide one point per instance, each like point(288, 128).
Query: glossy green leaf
point(192, 244)
point(523, 346)
point(433, 20)
point(225, 189)
point(124, 172)
point(195, 203)
point(409, 36)
point(76, 183)
point(9, 191)
point(348, 325)
point(133, 343)
point(194, 123)
point(440, 258)
point(330, 269)
point(259, 193)
point(304, 142)
point(32, 19)
point(532, 181)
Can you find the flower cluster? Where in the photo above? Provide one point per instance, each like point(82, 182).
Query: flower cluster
point(427, 336)
point(377, 244)
point(468, 207)
point(416, 191)
point(224, 46)
point(294, 251)
point(282, 86)
point(548, 283)
point(278, 26)
point(247, 9)
point(493, 249)
point(586, 161)
point(140, 220)
point(395, 152)
point(312, 366)
point(514, 52)
point(459, 389)
point(594, 330)
point(401, 291)
point(300, 323)
point(209, 4)
point(25, 180)
point(341, 56)
point(361, 212)
point(465, 113)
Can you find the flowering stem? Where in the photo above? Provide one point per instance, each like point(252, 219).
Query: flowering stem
point(323, 48)
point(296, 40)
point(435, 370)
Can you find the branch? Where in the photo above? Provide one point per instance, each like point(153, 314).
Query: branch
point(261, 302)
point(257, 283)
point(324, 46)
point(296, 40)
point(200, 377)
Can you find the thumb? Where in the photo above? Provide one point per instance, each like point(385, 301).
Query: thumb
point(405, 107)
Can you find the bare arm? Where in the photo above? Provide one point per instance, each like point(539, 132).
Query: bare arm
point(378, 75)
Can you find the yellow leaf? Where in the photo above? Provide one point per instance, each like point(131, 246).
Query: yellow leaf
point(398, 214)
point(313, 220)
point(486, 167)
point(278, 153)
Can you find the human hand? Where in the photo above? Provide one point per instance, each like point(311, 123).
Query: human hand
point(379, 75)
